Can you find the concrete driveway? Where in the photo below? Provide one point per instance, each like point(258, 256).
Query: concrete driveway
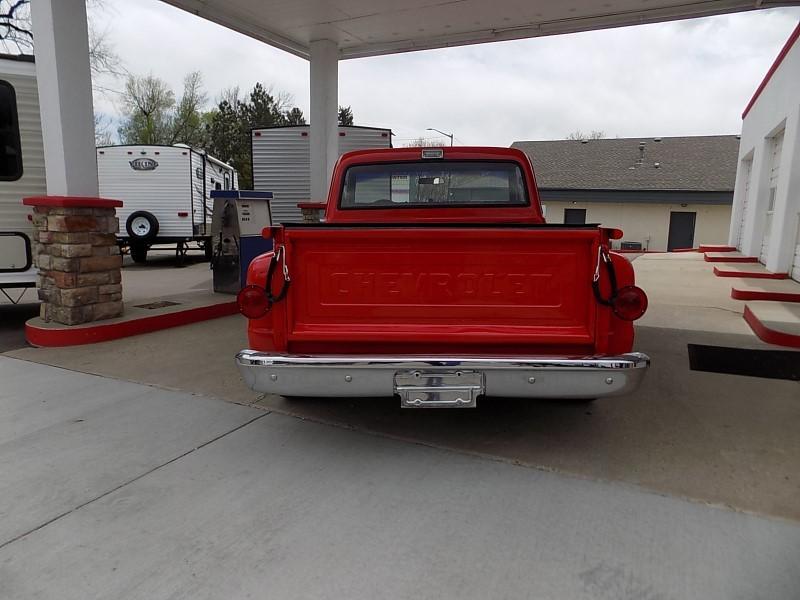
point(112, 489)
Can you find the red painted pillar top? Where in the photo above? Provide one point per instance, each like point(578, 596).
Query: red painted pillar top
point(71, 202)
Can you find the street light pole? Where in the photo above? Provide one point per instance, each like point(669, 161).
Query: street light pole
point(448, 135)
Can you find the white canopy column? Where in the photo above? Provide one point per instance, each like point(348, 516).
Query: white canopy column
point(324, 58)
point(65, 96)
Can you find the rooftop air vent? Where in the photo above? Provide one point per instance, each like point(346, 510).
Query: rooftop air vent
point(656, 139)
point(657, 165)
point(584, 141)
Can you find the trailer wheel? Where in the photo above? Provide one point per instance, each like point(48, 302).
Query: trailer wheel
point(138, 252)
point(208, 248)
point(142, 225)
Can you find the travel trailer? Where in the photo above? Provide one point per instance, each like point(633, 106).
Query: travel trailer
point(21, 172)
point(165, 193)
point(282, 162)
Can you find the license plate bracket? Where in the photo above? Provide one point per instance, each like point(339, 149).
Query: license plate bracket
point(425, 388)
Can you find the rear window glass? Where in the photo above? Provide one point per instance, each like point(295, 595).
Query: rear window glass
point(10, 150)
point(434, 184)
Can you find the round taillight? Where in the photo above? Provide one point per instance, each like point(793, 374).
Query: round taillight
point(630, 303)
point(253, 302)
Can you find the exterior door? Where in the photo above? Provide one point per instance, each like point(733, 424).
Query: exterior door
point(748, 171)
point(575, 216)
point(681, 230)
point(774, 175)
point(796, 259)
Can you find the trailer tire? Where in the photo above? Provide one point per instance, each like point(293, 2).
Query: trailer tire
point(208, 248)
point(138, 252)
point(141, 226)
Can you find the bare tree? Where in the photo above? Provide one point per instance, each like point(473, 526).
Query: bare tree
point(16, 36)
point(147, 102)
point(15, 26)
point(592, 135)
point(102, 131)
point(187, 122)
point(153, 116)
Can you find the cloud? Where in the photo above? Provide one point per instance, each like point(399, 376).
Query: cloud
point(678, 78)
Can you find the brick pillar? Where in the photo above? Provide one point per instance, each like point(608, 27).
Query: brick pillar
point(75, 249)
point(312, 211)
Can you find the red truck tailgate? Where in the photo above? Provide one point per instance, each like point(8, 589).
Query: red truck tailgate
point(488, 289)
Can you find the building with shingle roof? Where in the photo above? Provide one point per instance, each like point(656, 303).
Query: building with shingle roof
point(663, 192)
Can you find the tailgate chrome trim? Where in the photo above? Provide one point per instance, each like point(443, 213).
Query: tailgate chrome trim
point(374, 376)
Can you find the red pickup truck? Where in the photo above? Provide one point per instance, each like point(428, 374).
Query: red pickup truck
point(435, 277)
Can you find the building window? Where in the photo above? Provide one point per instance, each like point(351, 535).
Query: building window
point(10, 148)
point(575, 216)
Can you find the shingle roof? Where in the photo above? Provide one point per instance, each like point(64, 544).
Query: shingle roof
point(700, 163)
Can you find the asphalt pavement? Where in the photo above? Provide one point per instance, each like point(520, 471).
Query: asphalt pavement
point(112, 489)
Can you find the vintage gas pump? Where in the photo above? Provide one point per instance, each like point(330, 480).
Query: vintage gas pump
point(239, 217)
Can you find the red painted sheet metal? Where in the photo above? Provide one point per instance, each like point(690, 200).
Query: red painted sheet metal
point(475, 287)
point(444, 214)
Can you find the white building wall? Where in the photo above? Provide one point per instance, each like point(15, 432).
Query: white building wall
point(648, 223)
point(775, 114)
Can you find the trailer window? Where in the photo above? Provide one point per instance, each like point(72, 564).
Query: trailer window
point(10, 148)
point(426, 184)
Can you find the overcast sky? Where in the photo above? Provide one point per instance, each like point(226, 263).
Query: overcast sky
point(680, 78)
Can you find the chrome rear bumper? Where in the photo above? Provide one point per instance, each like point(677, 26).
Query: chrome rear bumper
point(441, 381)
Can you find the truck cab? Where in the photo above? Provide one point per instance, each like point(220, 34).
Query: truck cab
point(435, 277)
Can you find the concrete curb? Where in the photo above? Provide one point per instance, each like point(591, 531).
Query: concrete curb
point(749, 274)
point(769, 335)
point(738, 294)
point(39, 334)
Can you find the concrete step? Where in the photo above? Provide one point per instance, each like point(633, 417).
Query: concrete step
point(746, 271)
point(716, 248)
point(785, 290)
point(729, 257)
point(775, 322)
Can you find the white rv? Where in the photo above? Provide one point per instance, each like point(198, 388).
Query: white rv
point(282, 162)
point(165, 193)
point(21, 171)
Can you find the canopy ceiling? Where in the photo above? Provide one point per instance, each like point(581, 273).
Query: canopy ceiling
point(373, 27)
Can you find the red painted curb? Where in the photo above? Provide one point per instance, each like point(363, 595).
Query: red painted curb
point(731, 259)
point(71, 202)
point(738, 294)
point(771, 336)
point(715, 248)
point(749, 275)
point(104, 332)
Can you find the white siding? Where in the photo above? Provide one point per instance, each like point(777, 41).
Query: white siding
point(282, 163)
point(164, 191)
point(172, 187)
point(771, 128)
point(13, 214)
